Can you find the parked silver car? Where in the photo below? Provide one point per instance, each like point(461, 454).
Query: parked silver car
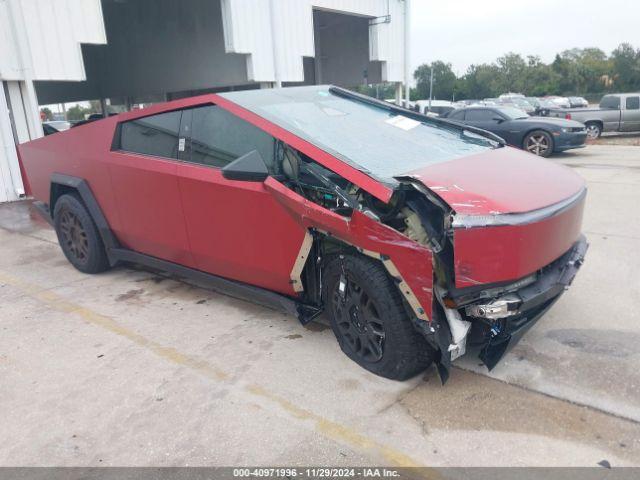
point(619, 112)
point(578, 102)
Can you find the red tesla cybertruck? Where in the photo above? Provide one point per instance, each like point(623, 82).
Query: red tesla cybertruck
point(420, 238)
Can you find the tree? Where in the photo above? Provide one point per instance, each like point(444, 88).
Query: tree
point(480, 82)
point(539, 78)
point(444, 80)
point(46, 113)
point(381, 91)
point(512, 69)
point(77, 112)
point(593, 66)
point(626, 67)
point(586, 71)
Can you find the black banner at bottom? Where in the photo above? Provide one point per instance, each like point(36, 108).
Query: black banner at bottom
point(308, 473)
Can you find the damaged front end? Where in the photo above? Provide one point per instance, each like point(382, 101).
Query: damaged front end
point(498, 317)
point(480, 239)
point(483, 309)
point(455, 271)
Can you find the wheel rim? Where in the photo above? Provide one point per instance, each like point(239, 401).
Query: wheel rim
point(358, 321)
point(593, 131)
point(538, 144)
point(74, 236)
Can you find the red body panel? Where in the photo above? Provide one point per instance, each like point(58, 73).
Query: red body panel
point(81, 152)
point(504, 180)
point(184, 213)
point(238, 230)
point(413, 261)
point(252, 232)
point(495, 254)
point(150, 207)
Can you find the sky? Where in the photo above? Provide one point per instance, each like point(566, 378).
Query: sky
point(464, 32)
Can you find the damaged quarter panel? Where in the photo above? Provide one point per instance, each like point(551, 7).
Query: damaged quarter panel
point(413, 261)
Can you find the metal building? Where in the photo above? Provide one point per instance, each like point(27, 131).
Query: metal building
point(134, 51)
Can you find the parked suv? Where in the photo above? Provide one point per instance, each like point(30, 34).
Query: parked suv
point(417, 236)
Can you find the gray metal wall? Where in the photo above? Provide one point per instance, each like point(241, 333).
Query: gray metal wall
point(161, 46)
point(342, 50)
point(154, 46)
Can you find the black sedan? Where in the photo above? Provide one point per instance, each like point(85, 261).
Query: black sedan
point(539, 135)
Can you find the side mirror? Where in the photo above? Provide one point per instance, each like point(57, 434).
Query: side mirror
point(248, 168)
point(498, 119)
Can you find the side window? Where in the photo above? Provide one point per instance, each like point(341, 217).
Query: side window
point(155, 135)
point(219, 137)
point(457, 114)
point(479, 115)
point(633, 103)
point(610, 101)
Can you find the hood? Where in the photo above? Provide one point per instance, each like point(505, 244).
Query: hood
point(498, 181)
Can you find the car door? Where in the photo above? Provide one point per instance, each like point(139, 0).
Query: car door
point(143, 166)
point(492, 120)
point(612, 113)
point(236, 229)
point(631, 114)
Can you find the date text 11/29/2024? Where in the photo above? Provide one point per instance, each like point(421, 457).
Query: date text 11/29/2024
point(316, 472)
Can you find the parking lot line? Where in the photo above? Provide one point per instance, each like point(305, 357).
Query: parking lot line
point(328, 428)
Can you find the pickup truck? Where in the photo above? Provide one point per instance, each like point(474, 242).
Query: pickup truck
point(618, 112)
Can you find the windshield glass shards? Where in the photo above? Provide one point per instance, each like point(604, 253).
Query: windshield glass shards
point(367, 136)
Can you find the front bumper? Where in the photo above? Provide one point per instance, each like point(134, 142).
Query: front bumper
point(496, 337)
point(568, 140)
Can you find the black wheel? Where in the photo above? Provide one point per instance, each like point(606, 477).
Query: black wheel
point(539, 143)
point(78, 235)
point(594, 130)
point(370, 322)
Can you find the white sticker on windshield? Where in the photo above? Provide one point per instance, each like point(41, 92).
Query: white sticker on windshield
point(405, 123)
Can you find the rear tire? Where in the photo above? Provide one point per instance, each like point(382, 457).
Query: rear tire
point(594, 130)
point(539, 143)
point(78, 235)
point(370, 322)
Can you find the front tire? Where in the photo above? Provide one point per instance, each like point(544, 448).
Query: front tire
point(369, 320)
point(78, 235)
point(539, 143)
point(594, 130)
